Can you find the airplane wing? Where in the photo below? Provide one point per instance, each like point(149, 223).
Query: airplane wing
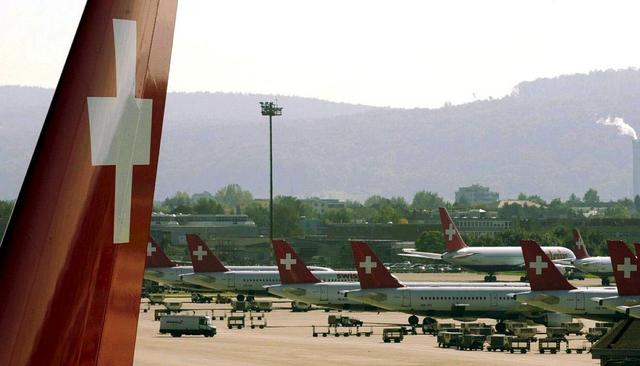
point(463, 255)
point(566, 263)
point(295, 291)
point(415, 254)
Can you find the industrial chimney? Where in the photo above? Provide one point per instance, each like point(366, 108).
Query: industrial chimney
point(636, 167)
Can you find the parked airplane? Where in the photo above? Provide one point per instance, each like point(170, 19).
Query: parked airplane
point(379, 288)
point(159, 268)
point(626, 266)
point(482, 259)
point(298, 283)
point(599, 266)
point(550, 290)
point(211, 273)
point(72, 257)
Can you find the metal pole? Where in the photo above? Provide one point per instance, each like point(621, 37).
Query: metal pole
point(270, 180)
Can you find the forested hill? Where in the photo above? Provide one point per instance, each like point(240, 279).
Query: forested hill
point(542, 139)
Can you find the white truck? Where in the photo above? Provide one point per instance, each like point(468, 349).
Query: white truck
point(177, 325)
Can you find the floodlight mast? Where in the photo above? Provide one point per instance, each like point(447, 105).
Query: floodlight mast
point(270, 109)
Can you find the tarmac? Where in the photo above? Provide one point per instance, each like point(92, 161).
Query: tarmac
point(288, 340)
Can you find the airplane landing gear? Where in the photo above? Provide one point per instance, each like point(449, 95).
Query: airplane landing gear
point(501, 327)
point(606, 281)
point(490, 278)
point(240, 297)
point(413, 320)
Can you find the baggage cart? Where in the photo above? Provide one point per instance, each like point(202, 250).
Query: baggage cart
point(526, 333)
point(449, 339)
point(392, 334)
point(472, 342)
point(485, 331)
point(577, 346)
point(235, 321)
point(257, 321)
point(557, 333)
point(573, 327)
point(519, 345)
point(551, 345)
point(366, 333)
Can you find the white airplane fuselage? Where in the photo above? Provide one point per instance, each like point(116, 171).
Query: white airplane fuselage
point(254, 281)
point(499, 259)
point(172, 275)
point(450, 302)
point(577, 302)
point(599, 266)
point(331, 294)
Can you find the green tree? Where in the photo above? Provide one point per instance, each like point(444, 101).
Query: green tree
point(233, 196)
point(591, 197)
point(207, 206)
point(258, 213)
point(339, 216)
point(386, 214)
point(179, 199)
point(287, 214)
point(426, 200)
point(430, 241)
point(376, 201)
point(5, 208)
point(618, 211)
point(573, 200)
point(399, 204)
point(636, 203)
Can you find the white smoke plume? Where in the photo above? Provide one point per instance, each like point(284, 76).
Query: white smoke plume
point(619, 123)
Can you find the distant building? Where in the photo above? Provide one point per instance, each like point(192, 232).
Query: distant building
point(322, 205)
point(521, 203)
point(229, 236)
point(476, 194)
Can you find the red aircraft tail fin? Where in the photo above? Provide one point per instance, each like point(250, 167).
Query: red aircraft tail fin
point(291, 267)
point(452, 238)
point(202, 257)
point(156, 257)
point(371, 271)
point(625, 268)
point(580, 250)
point(72, 257)
point(542, 272)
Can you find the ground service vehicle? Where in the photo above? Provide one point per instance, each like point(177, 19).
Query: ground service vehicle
point(177, 325)
point(392, 334)
point(201, 299)
point(343, 321)
point(573, 327)
point(449, 339)
point(499, 342)
point(558, 333)
point(156, 299)
point(472, 342)
point(595, 333)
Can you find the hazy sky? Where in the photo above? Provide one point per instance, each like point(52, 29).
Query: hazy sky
point(387, 53)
